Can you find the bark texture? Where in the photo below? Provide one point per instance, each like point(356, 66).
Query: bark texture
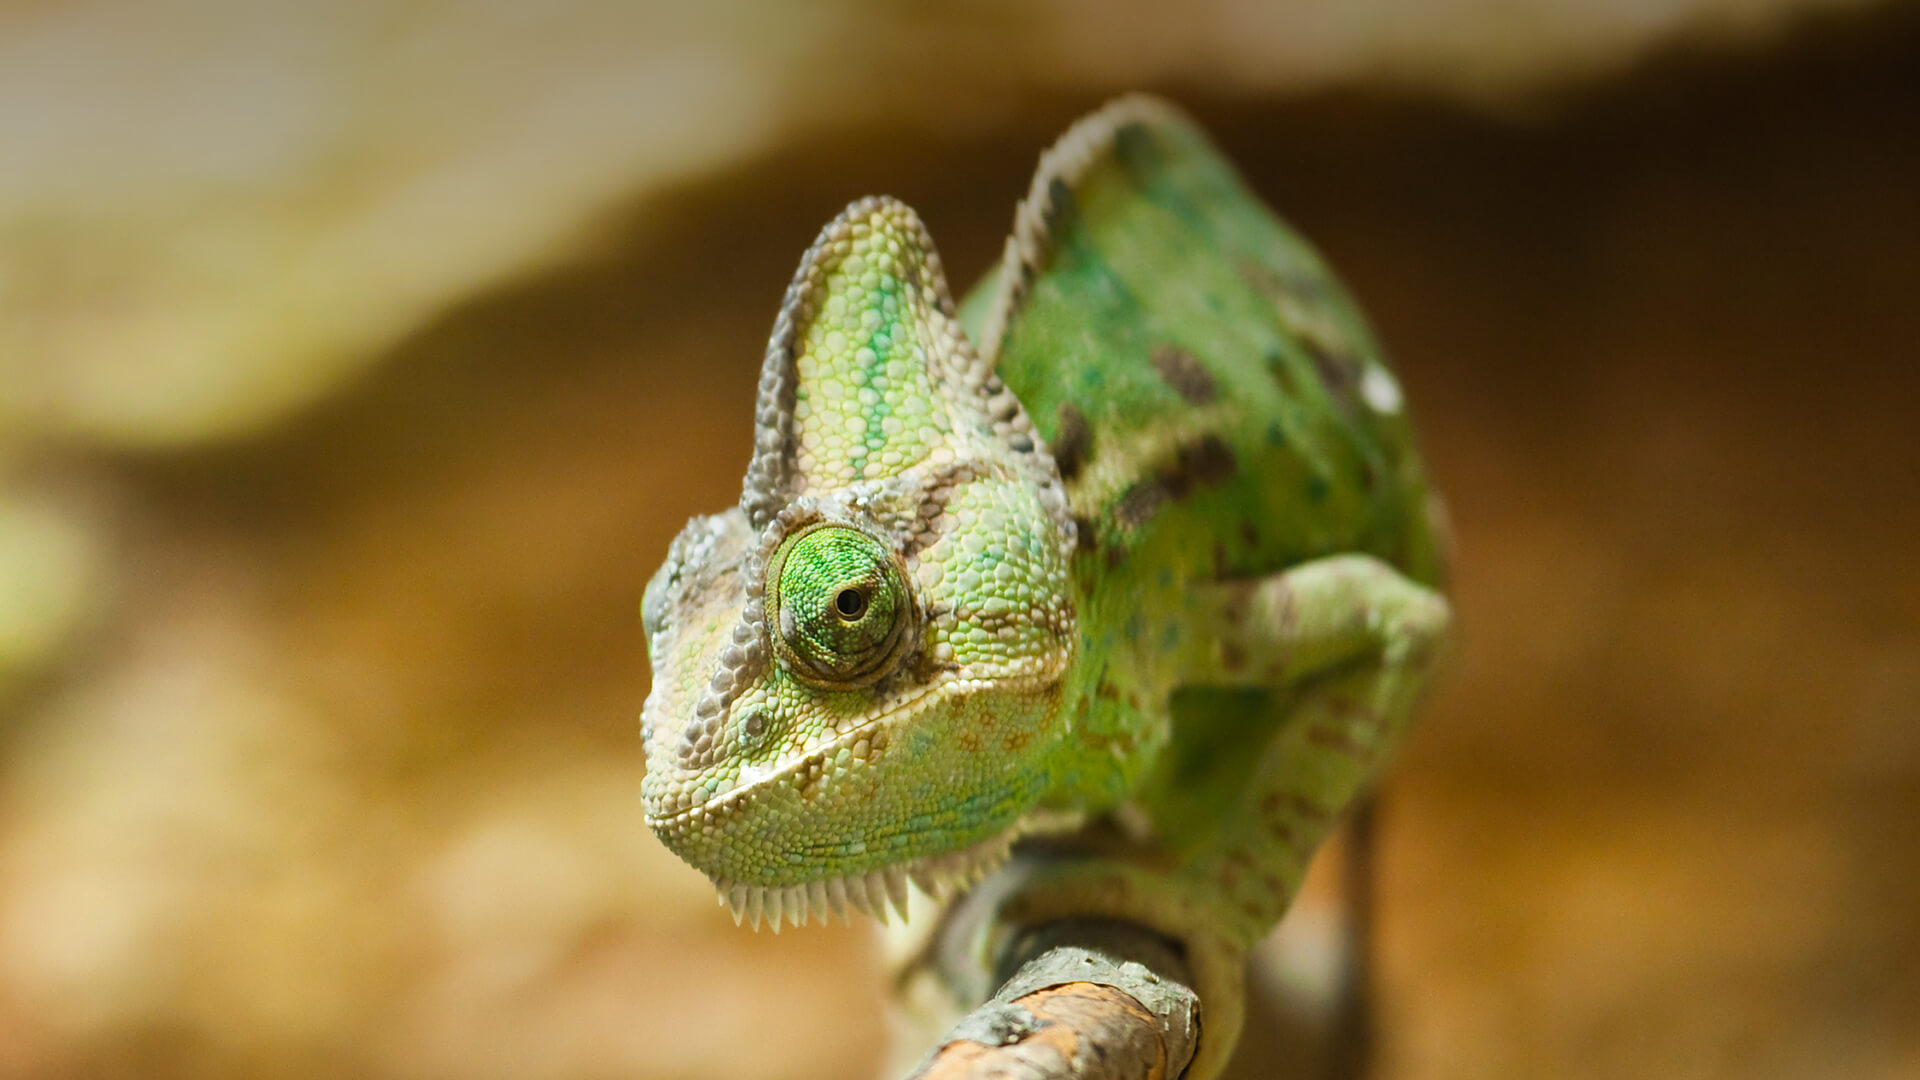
point(1086, 1000)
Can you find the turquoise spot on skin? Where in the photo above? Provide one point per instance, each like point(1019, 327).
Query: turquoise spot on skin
point(884, 318)
point(1317, 488)
point(1276, 435)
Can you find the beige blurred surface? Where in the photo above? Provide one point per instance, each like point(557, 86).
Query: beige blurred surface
point(213, 212)
point(328, 491)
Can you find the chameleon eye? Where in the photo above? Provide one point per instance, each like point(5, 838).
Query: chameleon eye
point(841, 607)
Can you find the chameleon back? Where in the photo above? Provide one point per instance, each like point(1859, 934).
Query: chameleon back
point(1211, 393)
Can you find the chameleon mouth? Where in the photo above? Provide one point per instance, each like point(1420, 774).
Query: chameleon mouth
point(720, 805)
point(872, 893)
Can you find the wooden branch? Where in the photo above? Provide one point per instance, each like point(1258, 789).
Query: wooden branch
point(1088, 999)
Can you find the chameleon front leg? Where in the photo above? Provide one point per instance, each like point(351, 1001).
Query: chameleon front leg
point(1299, 688)
point(1344, 646)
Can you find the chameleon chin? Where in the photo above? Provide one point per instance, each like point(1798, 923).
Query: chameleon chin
point(1137, 531)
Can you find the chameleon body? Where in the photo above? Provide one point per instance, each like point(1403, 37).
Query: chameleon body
point(1133, 548)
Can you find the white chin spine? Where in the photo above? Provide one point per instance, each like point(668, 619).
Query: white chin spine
point(939, 876)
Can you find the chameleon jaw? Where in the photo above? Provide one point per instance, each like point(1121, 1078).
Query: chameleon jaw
point(939, 876)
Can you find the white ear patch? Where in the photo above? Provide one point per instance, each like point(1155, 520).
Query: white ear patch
point(1381, 392)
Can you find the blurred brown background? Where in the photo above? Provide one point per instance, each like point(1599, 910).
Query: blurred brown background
point(357, 363)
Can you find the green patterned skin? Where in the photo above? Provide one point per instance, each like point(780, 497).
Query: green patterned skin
point(1153, 570)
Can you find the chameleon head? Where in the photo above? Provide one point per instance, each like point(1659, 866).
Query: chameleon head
point(857, 672)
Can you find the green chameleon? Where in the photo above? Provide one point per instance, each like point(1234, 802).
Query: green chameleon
point(1132, 547)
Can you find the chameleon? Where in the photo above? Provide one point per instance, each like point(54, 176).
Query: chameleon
point(1129, 557)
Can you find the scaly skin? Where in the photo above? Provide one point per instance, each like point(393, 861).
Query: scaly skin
point(1158, 561)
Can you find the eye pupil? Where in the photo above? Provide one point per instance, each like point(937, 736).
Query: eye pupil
point(850, 603)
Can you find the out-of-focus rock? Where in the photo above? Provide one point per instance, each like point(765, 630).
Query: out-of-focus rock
point(211, 213)
point(51, 579)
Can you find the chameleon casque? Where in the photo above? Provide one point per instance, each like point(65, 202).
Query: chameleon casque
point(1133, 548)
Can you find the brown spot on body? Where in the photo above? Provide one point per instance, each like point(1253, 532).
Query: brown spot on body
point(1061, 209)
point(1264, 279)
point(1282, 830)
point(1204, 462)
point(1308, 291)
point(1140, 503)
point(1233, 610)
point(1198, 464)
point(1232, 657)
point(1301, 807)
point(1339, 372)
point(1305, 306)
point(1133, 148)
point(1017, 741)
point(1084, 538)
point(1184, 372)
point(1338, 740)
point(1072, 440)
